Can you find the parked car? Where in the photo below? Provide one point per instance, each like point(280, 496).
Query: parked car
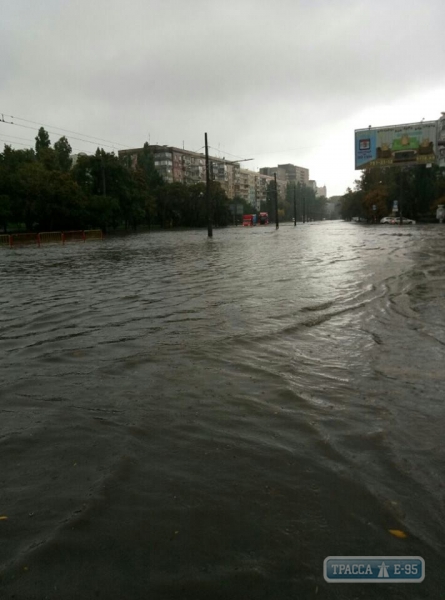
point(396, 220)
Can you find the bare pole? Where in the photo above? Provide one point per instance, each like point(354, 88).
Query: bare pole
point(295, 205)
point(104, 187)
point(276, 202)
point(208, 202)
point(304, 205)
point(401, 196)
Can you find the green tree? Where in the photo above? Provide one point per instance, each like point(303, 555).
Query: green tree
point(352, 205)
point(42, 141)
point(145, 161)
point(220, 205)
point(63, 153)
point(5, 211)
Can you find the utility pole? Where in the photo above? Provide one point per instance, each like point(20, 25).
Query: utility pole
point(295, 205)
point(276, 202)
point(304, 206)
point(104, 187)
point(208, 203)
point(401, 197)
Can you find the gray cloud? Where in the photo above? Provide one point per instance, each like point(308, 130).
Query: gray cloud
point(259, 76)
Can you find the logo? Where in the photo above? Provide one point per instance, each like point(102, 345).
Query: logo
point(374, 569)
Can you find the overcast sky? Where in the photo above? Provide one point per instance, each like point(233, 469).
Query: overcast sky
point(278, 81)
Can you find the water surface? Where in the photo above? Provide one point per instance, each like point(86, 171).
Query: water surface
point(185, 418)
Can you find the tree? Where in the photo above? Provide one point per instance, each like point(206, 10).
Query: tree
point(5, 211)
point(247, 207)
point(220, 204)
point(146, 163)
point(42, 141)
point(351, 205)
point(63, 153)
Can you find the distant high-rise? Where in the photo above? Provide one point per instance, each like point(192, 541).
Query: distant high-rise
point(289, 173)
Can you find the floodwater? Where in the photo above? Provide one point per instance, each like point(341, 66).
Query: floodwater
point(184, 418)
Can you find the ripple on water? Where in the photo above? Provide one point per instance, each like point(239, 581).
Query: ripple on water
point(180, 412)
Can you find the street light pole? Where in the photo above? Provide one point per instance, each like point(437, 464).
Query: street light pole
point(304, 206)
point(295, 205)
point(401, 197)
point(208, 202)
point(276, 202)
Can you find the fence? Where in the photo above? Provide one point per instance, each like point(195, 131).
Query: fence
point(73, 236)
point(48, 237)
point(22, 239)
point(5, 240)
point(93, 234)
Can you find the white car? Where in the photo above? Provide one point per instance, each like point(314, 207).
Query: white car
point(396, 220)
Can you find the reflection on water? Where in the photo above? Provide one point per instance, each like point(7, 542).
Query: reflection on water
point(193, 418)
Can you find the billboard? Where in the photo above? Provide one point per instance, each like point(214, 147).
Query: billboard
point(397, 145)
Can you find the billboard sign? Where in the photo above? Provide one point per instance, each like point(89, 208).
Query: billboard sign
point(397, 145)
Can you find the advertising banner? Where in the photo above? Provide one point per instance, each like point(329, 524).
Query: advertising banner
point(397, 145)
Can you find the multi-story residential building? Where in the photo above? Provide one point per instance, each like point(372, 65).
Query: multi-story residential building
point(313, 185)
point(248, 187)
point(185, 166)
point(176, 164)
point(288, 172)
point(319, 191)
point(295, 174)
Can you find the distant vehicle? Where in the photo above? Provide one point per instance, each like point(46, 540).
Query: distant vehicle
point(249, 220)
point(396, 220)
point(264, 218)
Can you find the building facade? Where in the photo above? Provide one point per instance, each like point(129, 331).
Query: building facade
point(321, 191)
point(289, 173)
point(185, 166)
point(176, 164)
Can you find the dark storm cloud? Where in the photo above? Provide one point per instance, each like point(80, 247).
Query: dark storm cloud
point(259, 76)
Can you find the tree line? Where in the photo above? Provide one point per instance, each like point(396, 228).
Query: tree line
point(42, 190)
point(298, 198)
point(418, 190)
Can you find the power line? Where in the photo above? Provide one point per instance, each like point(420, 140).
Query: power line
point(12, 142)
point(16, 137)
point(57, 133)
point(68, 131)
point(224, 152)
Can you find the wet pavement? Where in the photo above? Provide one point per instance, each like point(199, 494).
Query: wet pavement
point(184, 418)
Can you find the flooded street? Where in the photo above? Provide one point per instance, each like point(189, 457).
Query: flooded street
point(184, 418)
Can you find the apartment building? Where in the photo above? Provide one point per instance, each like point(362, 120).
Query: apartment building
point(313, 185)
point(289, 173)
point(319, 190)
point(185, 166)
point(248, 187)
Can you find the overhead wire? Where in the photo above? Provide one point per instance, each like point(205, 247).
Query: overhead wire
point(57, 133)
point(12, 142)
point(111, 144)
point(16, 137)
point(85, 135)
